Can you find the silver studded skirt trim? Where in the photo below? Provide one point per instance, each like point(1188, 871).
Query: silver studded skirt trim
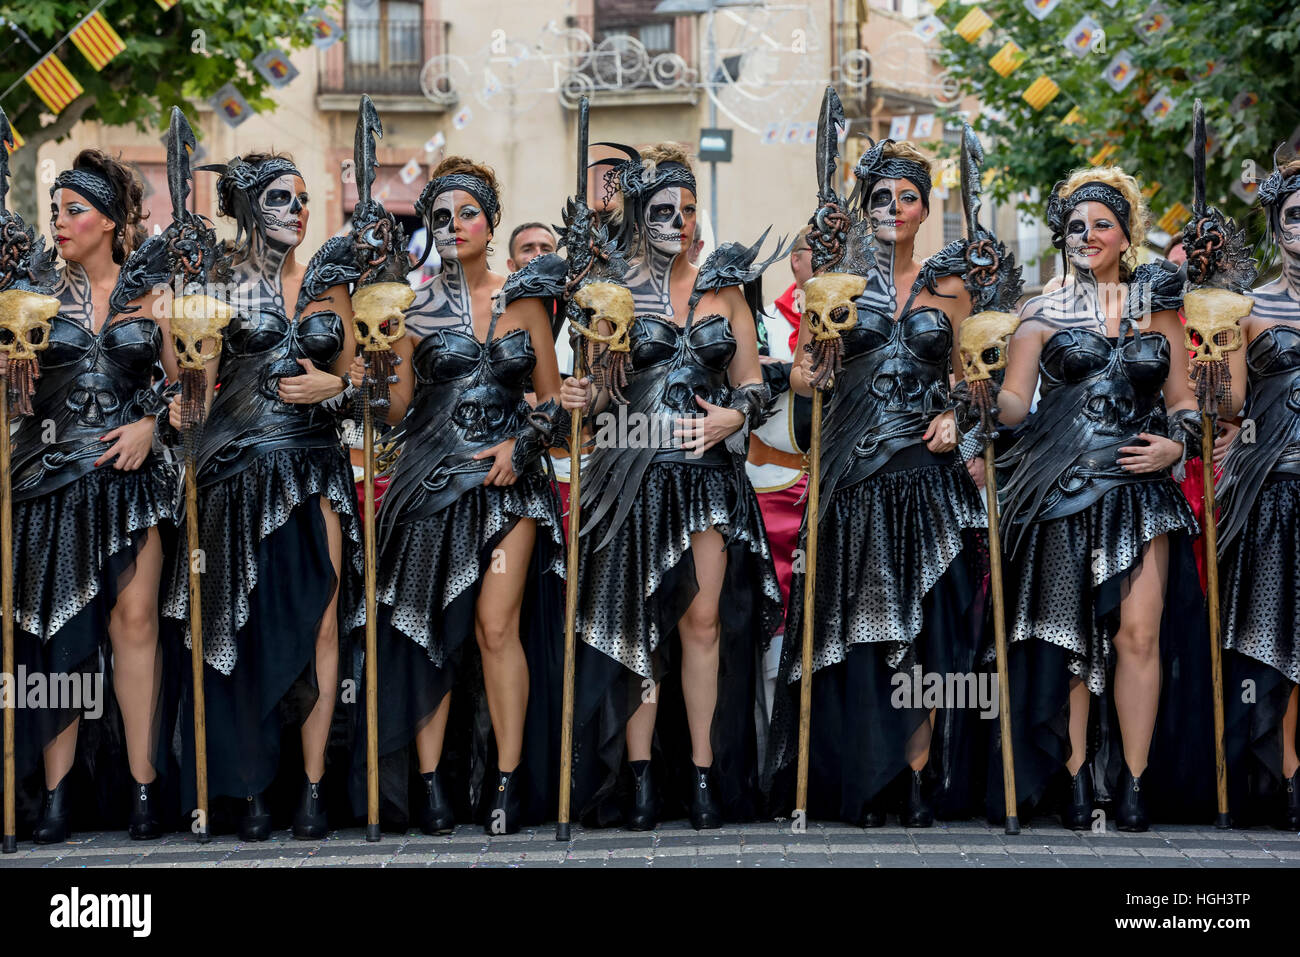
point(429, 563)
point(63, 541)
point(1259, 588)
point(236, 515)
point(1054, 582)
point(882, 546)
point(619, 585)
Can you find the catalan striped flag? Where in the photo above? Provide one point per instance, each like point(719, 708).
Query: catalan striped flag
point(1041, 92)
point(53, 83)
point(1151, 189)
point(18, 140)
point(97, 39)
point(1074, 116)
point(1174, 218)
point(973, 25)
point(1008, 58)
point(1103, 154)
point(167, 4)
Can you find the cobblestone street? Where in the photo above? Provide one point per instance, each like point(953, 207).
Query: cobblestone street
point(675, 844)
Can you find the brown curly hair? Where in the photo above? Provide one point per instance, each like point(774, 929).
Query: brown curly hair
point(128, 187)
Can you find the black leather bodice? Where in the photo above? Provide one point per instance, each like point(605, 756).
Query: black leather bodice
point(469, 396)
point(247, 418)
point(1096, 395)
point(894, 381)
point(672, 364)
point(89, 384)
point(1273, 445)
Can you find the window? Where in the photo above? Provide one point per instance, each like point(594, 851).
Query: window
point(384, 32)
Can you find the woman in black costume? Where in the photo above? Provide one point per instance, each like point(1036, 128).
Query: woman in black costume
point(91, 499)
point(276, 500)
point(470, 534)
point(1259, 533)
point(1105, 617)
point(678, 595)
point(898, 560)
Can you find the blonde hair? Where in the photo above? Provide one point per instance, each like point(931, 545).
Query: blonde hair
point(1138, 214)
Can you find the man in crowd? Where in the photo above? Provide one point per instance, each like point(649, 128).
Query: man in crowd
point(527, 242)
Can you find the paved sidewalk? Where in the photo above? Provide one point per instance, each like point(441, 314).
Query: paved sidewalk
point(675, 844)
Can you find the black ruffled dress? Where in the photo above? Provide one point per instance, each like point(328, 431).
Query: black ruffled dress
point(898, 574)
point(438, 528)
point(264, 466)
point(1259, 529)
point(1075, 525)
point(77, 532)
point(642, 500)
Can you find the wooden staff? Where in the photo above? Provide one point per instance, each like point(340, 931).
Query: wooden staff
point(197, 322)
point(1209, 426)
point(1000, 628)
point(562, 828)
point(830, 311)
point(1213, 314)
point(22, 313)
point(7, 603)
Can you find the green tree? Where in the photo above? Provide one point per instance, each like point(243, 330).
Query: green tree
point(1253, 44)
point(175, 57)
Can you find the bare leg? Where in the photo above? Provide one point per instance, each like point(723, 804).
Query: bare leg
point(137, 663)
point(918, 745)
point(1080, 702)
point(701, 631)
point(1137, 647)
point(59, 755)
point(496, 625)
point(1290, 761)
point(315, 730)
point(641, 726)
point(428, 739)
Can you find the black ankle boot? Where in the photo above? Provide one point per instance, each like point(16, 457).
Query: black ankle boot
point(642, 817)
point(918, 812)
point(255, 822)
point(435, 816)
point(1131, 811)
point(507, 805)
point(704, 809)
point(52, 828)
point(874, 817)
point(1290, 820)
point(143, 824)
point(1077, 815)
point(309, 823)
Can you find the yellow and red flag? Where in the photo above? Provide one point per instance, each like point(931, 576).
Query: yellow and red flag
point(53, 83)
point(973, 25)
point(1041, 92)
point(1174, 218)
point(18, 140)
point(97, 39)
point(167, 4)
point(1008, 58)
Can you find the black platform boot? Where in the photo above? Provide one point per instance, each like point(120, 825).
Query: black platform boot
point(435, 816)
point(874, 817)
point(309, 823)
point(704, 809)
point(143, 824)
point(918, 812)
point(1290, 820)
point(506, 807)
point(52, 828)
point(1131, 811)
point(1077, 815)
point(642, 816)
point(255, 822)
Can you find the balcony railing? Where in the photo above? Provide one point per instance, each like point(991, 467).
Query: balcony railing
point(381, 57)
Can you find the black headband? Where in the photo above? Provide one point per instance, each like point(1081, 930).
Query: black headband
point(1277, 187)
point(874, 165)
point(96, 189)
point(474, 185)
point(248, 177)
point(1093, 191)
point(636, 185)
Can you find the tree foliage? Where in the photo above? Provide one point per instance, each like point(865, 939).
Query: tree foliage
point(1254, 46)
point(175, 57)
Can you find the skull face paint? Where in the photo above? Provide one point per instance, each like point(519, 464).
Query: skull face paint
point(283, 208)
point(1094, 239)
point(895, 210)
point(670, 220)
point(458, 225)
point(1288, 221)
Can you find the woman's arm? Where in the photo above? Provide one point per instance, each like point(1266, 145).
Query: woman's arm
point(1021, 379)
point(745, 368)
point(530, 314)
point(1178, 387)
